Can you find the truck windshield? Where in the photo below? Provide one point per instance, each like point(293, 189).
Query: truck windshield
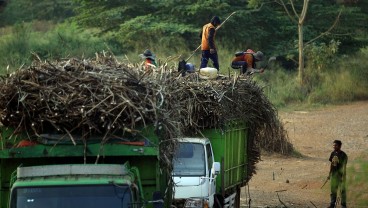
point(189, 160)
point(72, 197)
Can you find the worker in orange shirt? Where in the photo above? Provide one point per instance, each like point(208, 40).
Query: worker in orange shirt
point(149, 60)
point(246, 61)
point(208, 46)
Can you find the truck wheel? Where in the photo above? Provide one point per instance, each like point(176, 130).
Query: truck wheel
point(218, 201)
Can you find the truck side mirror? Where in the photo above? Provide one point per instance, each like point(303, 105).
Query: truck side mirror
point(216, 167)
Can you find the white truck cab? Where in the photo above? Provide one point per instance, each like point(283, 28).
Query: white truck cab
point(194, 173)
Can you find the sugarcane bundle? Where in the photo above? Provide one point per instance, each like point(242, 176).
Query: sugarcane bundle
point(102, 95)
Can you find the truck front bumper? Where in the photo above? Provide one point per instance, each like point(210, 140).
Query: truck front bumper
point(191, 203)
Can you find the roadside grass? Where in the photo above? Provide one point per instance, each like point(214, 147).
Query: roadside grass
point(47, 41)
point(357, 182)
point(281, 87)
point(343, 82)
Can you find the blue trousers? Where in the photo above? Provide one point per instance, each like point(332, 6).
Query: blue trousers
point(242, 65)
point(206, 55)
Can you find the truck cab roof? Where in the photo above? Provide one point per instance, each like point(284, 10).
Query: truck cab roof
point(201, 140)
point(73, 174)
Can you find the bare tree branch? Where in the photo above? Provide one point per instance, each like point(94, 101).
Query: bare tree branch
point(287, 11)
point(327, 31)
point(292, 6)
point(341, 34)
point(304, 12)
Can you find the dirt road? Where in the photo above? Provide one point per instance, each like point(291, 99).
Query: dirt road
point(298, 181)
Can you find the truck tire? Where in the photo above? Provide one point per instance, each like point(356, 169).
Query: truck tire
point(218, 201)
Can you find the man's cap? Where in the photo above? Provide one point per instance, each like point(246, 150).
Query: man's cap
point(216, 20)
point(148, 54)
point(258, 55)
point(338, 142)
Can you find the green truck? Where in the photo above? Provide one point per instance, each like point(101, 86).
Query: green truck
point(194, 152)
point(55, 174)
point(209, 170)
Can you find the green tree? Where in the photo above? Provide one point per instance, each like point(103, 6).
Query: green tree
point(176, 25)
point(299, 19)
point(136, 23)
point(28, 10)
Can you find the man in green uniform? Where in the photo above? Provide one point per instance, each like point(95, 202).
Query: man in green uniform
point(337, 174)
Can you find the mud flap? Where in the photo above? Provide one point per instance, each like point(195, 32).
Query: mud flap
point(158, 201)
point(230, 201)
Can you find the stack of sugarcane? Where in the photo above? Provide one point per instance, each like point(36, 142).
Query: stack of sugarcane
point(103, 96)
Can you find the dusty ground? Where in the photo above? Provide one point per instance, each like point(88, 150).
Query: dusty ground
point(312, 133)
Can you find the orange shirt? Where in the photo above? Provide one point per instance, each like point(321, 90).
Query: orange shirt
point(205, 33)
point(247, 57)
point(149, 63)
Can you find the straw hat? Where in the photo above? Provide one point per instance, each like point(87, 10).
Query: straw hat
point(148, 54)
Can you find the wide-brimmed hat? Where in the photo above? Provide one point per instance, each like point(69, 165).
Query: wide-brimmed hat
point(258, 55)
point(148, 54)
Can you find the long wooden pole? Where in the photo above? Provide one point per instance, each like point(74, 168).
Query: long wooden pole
point(216, 30)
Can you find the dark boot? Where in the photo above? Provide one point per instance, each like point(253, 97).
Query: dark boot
point(333, 201)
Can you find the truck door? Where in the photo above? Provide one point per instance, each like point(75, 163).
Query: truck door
point(212, 181)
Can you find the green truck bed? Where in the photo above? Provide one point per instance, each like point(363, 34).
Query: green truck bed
point(230, 148)
point(143, 157)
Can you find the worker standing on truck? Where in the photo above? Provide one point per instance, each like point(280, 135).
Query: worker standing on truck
point(337, 174)
point(208, 46)
point(246, 61)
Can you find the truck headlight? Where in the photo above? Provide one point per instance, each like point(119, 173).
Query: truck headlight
point(196, 203)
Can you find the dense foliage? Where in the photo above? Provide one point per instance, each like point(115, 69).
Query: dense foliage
point(16, 11)
point(177, 24)
point(258, 24)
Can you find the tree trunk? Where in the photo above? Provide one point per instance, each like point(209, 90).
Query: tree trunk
point(301, 54)
point(301, 41)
